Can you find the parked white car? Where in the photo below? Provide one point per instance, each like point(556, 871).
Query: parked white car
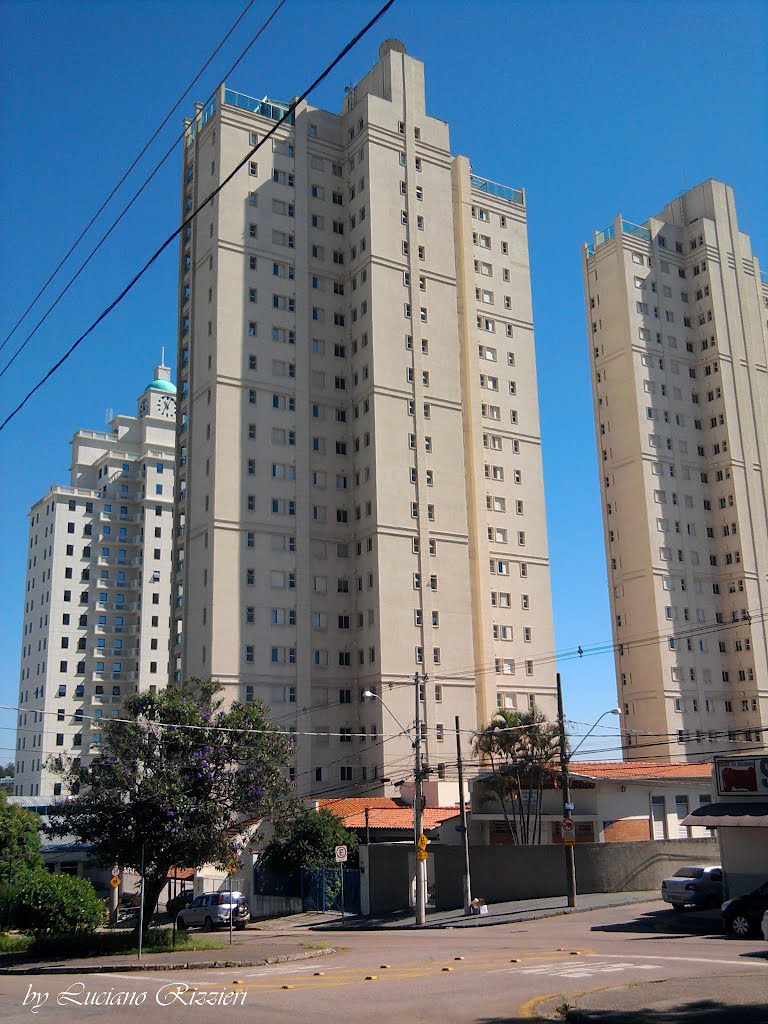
point(764, 926)
point(212, 910)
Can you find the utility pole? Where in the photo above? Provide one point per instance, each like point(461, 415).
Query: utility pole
point(418, 804)
point(367, 827)
point(463, 827)
point(570, 859)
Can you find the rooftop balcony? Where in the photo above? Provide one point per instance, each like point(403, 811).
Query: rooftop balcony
point(272, 109)
point(627, 228)
point(493, 188)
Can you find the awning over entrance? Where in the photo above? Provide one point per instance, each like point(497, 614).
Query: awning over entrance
point(748, 814)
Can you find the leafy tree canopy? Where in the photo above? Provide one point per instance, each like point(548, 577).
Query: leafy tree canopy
point(175, 781)
point(19, 838)
point(307, 841)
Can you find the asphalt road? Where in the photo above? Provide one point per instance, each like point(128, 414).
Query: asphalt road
point(485, 975)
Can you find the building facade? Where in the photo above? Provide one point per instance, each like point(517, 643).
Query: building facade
point(360, 496)
point(98, 587)
point(677, 313)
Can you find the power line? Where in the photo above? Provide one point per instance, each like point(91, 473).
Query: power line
point(133, 198)
point(188, 220)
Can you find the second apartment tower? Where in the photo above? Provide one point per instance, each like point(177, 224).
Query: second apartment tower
point(360, 495)
point(678, 321)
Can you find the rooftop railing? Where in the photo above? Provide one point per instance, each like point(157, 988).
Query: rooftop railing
point(600, 237)
point(494, 188)
point(635, 229)
point(200, 122)
point(764, 276)
point(266, 107)
point(627, 228)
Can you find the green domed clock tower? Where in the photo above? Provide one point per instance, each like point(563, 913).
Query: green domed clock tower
point(159, 397)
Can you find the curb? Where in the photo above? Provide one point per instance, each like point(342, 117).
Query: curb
point(531, 915)
point(200, 965)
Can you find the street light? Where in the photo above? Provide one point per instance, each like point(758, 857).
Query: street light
point(418, 800)
point(370, 693)
point(565, 758)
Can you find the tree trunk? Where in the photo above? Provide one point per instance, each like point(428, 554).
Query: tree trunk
point(153, 886)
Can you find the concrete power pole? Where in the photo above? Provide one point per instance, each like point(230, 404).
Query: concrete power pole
point(463, 827)
point(418, 805)
point(570, 859)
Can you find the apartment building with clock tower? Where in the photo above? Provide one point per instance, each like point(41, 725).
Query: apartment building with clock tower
point(98, 587)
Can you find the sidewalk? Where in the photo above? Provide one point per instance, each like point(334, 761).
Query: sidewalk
point(702, 1000)
point(251, 950)
point(498, 913)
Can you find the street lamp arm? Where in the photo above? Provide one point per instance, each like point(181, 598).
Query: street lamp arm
point(370, 693)
point(613, 711)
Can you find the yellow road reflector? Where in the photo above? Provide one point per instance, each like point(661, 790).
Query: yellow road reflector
point(447, 969)
point(458, 958)
point(384, 967)
point(370, 977)
point(575, 952)
point(514, 960)
point(286, 986)
point(319, 974)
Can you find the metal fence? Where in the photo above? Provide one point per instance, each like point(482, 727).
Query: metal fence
point(321, 890)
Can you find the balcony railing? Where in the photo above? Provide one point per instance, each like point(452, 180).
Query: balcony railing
point(266, 107)
point(600, 237)
point(635, 229)
point(627, 227)
point(764, 276)
point(494, 188)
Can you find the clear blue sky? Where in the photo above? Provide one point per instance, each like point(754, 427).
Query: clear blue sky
point(596, 108)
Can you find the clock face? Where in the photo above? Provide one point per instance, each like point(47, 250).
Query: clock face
point(167, 406)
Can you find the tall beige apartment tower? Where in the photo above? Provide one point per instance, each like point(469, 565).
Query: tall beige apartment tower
point(677, 313)
point(98, 587)
point(360, 498)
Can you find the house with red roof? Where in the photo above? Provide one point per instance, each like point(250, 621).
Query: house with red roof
point(613, 801)
point(384, 819)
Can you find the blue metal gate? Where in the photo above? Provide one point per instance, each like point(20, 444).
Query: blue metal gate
point(321, 890)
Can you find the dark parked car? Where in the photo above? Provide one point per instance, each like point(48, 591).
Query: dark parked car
point(179, 902)
point(696, 886)
point(742, 916)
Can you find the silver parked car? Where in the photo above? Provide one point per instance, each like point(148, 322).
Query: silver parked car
point(695, 886)
point(212, 910)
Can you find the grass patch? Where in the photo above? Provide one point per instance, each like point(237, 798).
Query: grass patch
point(315, 945)
point(15, 943)
point(102, 944)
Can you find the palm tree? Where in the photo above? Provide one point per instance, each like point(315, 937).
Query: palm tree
point(521, 747)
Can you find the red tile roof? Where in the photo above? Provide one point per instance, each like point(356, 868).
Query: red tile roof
point(639, 770)
point(352, 804)
point(400, 818)
point(384, 813)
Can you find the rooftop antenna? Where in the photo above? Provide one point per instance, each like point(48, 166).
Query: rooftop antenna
point(162, 355)
point(110, 415)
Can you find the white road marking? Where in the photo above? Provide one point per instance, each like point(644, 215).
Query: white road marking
point(684, 959)
point(586, 970)
point(265, 972)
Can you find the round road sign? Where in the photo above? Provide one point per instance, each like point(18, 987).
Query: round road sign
point(115, 872)
point(567, 826)
point(341, 854)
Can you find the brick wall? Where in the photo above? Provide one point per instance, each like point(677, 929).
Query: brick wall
point(628, 830)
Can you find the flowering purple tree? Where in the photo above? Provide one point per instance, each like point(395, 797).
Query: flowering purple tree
point(175, 778)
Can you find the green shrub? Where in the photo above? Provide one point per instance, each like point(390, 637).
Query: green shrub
point(47, 904)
